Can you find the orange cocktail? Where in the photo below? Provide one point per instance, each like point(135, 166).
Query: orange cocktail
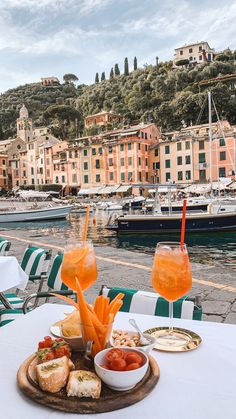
point(79, 261)
point(171, 274)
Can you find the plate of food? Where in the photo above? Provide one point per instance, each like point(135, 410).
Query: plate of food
point(62, 379)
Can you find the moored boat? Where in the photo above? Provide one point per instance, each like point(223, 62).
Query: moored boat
point(41, 214)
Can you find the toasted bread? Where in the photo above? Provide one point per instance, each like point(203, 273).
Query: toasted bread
point(84, 384)
point(52, 375)
point(70, 326)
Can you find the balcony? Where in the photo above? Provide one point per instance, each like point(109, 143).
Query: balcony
point(201, 166)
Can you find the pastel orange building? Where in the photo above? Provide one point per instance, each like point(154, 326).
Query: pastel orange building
point(103, 118)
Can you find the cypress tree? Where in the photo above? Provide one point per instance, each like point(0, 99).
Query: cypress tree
point(135, 63)
point(117, 70)
point(97, 78)
point(112, 73)
point(103, 76)
point(126, 67)
point(157, 61)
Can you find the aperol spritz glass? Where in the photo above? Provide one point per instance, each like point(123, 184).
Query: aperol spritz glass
point(79, 261)
point(172, 279)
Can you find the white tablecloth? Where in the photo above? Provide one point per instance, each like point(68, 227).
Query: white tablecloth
point(199, 384)
point(11, 274)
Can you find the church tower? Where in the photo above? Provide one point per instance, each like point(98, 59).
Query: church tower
point(24, 125)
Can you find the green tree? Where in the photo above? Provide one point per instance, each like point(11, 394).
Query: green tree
point(135, 63)
point(61, 116)
point(97, 78)
point(103, 76)
point(117, 70)
point(112, 74)
point(126, 67)
point(70, 78)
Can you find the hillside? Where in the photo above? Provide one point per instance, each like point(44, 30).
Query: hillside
point(159, 93)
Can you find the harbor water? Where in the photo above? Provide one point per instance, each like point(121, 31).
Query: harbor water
point(217, 249)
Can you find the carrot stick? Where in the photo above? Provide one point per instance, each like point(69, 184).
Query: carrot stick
point(118, 297)
point(86, 223)
point(96, 322)
point(118, 304)
point(68, 300)
point(100, 307)
point(106, 308)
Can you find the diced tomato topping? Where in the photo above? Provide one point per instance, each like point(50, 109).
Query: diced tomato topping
point(133, 366)
point(49, 356)
point(41, 345)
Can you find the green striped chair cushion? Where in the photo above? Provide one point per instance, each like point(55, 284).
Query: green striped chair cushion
point(35, 261)
point(14, 300)
point(144, 302)
point(4, 246)
point(9, 315)
point(54, 278)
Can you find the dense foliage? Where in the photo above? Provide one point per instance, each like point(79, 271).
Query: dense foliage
point(160, 93)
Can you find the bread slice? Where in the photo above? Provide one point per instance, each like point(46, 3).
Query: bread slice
point(52, 375)
point(84, 384)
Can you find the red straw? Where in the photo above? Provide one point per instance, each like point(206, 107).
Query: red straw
point(183, 222)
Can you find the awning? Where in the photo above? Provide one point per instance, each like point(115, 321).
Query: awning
point(232, 186)
point(108, 190)
point(126, 134)
point(83, 192)
point(90, 191)
point(162, 189)
point(123, 188)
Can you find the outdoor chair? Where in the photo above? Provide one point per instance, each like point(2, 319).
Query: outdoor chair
point(54, 284)
point(35, 263)
point(144, 302)
point(4, 246)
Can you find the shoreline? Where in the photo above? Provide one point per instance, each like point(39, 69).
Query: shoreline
point(132, 269)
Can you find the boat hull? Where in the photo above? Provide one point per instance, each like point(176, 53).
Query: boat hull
point(172, 224)
point(54, 213)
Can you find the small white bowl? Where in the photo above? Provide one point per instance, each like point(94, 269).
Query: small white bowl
point(145, 348)
point(74, 342)
point(120, 380)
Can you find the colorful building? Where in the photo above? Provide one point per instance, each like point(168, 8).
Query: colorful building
point(102, 119)
point(196, 53)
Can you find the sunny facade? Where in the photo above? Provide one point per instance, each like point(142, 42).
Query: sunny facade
point(198, 52)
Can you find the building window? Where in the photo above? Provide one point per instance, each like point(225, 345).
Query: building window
point(85, 165)
point(167, 176)
point(190, 58)
point(167, 164)
point(3, 162)
point(86, 180)
point(187, 160)
point(76, 154)
point(94, 151)
point(179, 160)
point(179, 146)
point(32, 171)
point(74, 178)
point(73, 165)
point(222, 172)
point(63, 179)
point(140, 176)
point(110, 162)
point(122, 161)
point(98, 178)
point(202, 174)
point(100, 150)
point(222, 155)
point(32, 181)
point(130, 175)
point(110, 149)
point(85, 152)
point(97, 164)
point(122, 147)
point(4, 173)
point(122, 177)
point(187, 145)
point(146, 146)
point(222, 142)
point(200, 57)
point(48, 172)
point(56, 179)
point(167, 149)
point(180, 175)
point(156, 151)
point(190, 50)
point(201, 145)
point(111, 175)
point(41, 161)
point(70, 154)
point(48, 161)
point(181, 52)
point(188, 175)
point(139, 161)
point(139, 146)
point(200, 48)
point(129, 146)
point(202, 157)
point(129, 161)
point(146, 176)
point(146, 162)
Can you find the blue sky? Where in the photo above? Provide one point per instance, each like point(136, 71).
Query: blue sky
point(40, 38)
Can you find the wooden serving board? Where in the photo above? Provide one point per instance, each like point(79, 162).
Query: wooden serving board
point(109, 400)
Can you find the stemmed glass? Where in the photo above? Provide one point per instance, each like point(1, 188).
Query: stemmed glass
point(79, 261)
point(172, 279)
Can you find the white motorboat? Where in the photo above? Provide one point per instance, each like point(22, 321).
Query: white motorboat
point(40, 214)
point(114, 207)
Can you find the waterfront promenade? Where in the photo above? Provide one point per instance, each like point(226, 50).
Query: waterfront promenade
point(124, 268)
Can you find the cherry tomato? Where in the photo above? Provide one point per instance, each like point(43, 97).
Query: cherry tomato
point(113, 354)
point(105, 367)
point(41, 344)
point(49, 356)
point(133, 357)
point(118, 364)
point(58, 340)
point(133, 366)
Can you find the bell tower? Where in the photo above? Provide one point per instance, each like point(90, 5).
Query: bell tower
point(24, 125)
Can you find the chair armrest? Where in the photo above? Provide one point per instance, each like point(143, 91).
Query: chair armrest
point(36, 277)
point(45, 294)
point(5, 302)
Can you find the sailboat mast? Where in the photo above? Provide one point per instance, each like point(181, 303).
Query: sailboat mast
point(210, 134)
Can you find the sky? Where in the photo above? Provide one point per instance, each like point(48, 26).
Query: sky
point(41, 38)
